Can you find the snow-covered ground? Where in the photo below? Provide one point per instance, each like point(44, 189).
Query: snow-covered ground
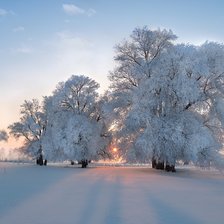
point(31, 194)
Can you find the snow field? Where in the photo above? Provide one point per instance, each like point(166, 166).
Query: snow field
point(109, 195)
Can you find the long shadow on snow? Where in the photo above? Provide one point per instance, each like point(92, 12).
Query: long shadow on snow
point(92, 204)
point(25, 181)
point(114, 208)
point(167, 214)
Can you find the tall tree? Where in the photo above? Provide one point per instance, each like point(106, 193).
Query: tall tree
point(76, 129)
point(31, 127)
point(173, 98)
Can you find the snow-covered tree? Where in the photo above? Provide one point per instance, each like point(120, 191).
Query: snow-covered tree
point(3, 135)
point(31, 127)
point(76, 127)
point(136, 60)
point(168, 99)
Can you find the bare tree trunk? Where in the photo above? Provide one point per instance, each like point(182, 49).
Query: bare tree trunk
point(39, 160)
point(84, 163)
point(160, 165)
point(153, 163)
point(169, 168)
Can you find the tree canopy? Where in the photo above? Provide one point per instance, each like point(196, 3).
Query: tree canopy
point(170, 98)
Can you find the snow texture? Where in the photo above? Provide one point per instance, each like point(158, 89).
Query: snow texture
point(112, 195)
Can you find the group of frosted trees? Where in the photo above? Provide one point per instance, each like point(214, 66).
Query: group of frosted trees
point(68, 125)
point(165, 104)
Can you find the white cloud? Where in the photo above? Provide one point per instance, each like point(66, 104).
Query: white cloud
point(18, 29)
point(72, 10)
point(4, 12)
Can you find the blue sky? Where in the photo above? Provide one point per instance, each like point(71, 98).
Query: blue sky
point(45, 41)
